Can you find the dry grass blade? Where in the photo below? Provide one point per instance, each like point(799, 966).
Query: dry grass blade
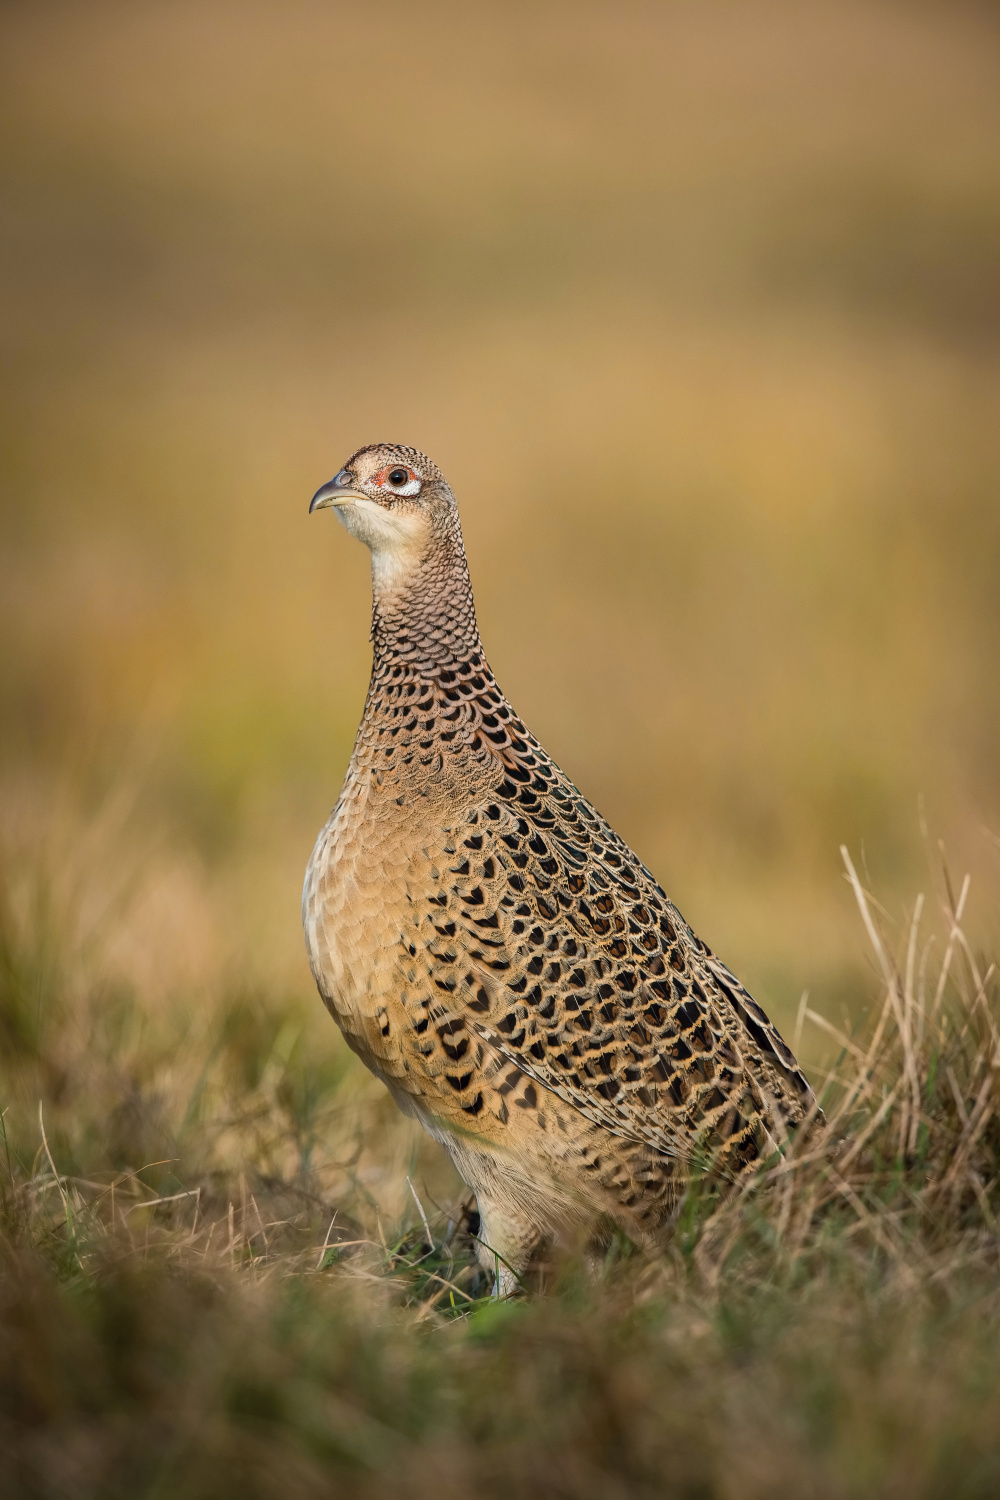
point(420, 1210)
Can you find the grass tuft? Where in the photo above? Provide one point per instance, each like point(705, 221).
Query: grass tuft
point(234, 1313)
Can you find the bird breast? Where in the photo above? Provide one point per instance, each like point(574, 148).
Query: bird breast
point(350, 903)
point(359, 910)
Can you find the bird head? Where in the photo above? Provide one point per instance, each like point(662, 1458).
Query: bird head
point(393, 499)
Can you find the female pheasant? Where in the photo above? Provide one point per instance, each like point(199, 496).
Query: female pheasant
point(492, 949)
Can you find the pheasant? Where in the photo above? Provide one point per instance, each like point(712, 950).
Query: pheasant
point(494, 951)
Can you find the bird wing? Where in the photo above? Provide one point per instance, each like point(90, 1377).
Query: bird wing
point(555, 946)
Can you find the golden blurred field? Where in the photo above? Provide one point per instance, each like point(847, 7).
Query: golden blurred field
point(698, 307)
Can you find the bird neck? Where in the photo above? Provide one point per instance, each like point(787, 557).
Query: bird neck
point(424, 618)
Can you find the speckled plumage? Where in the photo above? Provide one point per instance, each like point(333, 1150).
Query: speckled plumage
point(494, 951)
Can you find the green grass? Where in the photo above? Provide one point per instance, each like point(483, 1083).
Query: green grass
point(201, 1296)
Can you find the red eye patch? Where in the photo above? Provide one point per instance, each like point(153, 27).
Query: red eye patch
point(400, 475)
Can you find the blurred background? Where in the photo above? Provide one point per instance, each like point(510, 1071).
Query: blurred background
point(697, 305)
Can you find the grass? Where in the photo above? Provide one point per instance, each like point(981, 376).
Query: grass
point(201, 1295)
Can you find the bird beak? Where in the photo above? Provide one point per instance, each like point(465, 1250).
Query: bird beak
point(336, 491)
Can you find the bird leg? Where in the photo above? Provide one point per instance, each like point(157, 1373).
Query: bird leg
point(505, 1245)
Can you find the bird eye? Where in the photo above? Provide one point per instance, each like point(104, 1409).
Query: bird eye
point(401, 480)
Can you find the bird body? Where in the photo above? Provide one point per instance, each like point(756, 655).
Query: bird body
point(493, 950)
